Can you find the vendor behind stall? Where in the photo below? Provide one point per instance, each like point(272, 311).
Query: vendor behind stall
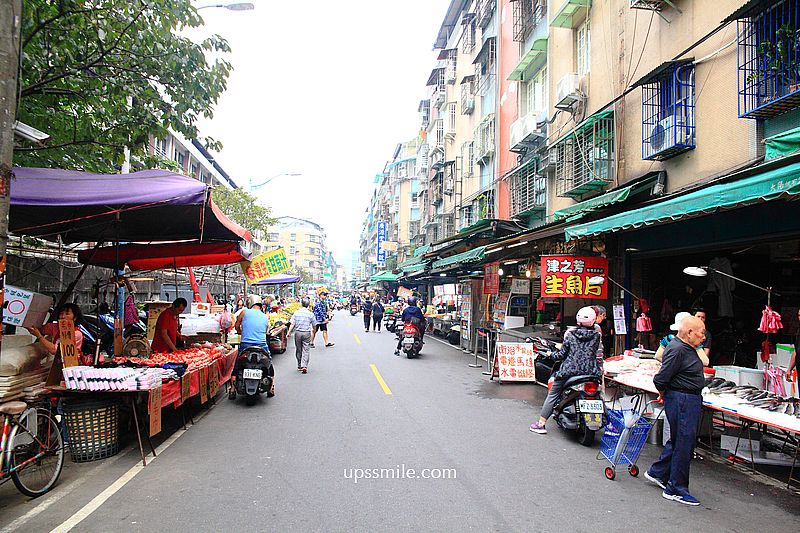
point(668, 338)
point(47, 335)
point(167, 326)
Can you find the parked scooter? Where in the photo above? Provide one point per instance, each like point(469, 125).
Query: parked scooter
point(581, 408)
point(412, 339)
point(276, 338)
point(254, 375)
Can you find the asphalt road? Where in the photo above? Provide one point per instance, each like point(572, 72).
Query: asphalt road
point(290, 463)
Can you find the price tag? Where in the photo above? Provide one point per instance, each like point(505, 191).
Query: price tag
point(186, 382)
point(66, 342)
point(154, 410)
point(213, 379)
point(203, 385)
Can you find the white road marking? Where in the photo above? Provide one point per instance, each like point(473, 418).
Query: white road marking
point(101, 498)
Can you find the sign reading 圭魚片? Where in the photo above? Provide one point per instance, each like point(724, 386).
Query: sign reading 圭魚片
point(568, 276)
point(265, 265)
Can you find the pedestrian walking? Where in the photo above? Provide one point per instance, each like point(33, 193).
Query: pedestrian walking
point(321, 317)
point(302, 324)
point(377, 314)
point(366, 308)
point(680, 381)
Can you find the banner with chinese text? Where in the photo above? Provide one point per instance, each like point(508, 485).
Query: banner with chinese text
point(265, 265)
point(515, 362)
point(491, 278)
point(567, 276)
point(381, 257)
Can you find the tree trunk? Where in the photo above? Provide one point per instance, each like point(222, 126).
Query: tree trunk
point(10, 23)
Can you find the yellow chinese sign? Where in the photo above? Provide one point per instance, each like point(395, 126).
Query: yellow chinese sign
point(265, 265)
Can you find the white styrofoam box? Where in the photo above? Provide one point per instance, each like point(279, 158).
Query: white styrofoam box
point(790, 388)
point(783, 355)
point(741, 375)
point(725, 372)
point(751, 376)
point(731, 436)
point(760, 364)
point(512, 322)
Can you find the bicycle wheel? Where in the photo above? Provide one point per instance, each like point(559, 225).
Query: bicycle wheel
point(37, 453)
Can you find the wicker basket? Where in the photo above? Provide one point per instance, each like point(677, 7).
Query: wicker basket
point(93, 429)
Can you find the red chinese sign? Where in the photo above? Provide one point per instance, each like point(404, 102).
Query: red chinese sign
point(515, 362)
point(491, 278)
point(567, 276)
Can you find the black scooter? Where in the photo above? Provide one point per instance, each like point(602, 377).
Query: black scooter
point(390, 322)
point(581, 408)
point(254, 375)
point(353, 309)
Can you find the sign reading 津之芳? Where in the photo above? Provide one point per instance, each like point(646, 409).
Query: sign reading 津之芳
point(381, 258)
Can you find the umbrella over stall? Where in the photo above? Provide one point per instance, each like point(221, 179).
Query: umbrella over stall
point(141, 206)
point(141, 256)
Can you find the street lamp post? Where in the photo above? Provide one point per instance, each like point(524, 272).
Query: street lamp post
point(259, 185)
point(237, 6)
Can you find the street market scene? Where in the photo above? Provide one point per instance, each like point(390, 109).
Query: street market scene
point(557, 287)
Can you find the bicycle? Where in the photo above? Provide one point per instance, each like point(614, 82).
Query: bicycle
point(31, 448)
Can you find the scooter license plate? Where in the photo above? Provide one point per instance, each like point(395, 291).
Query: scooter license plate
point(408, 341)
point(252, 373)
point(590, 406)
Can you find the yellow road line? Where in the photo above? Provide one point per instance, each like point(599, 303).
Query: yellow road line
point(358, 341)
point(386, 390)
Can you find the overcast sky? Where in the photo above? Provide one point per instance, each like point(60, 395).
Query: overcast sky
point(326, 89)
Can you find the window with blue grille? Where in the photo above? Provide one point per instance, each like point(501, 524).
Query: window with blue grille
point(768, 58)
point(668, 118)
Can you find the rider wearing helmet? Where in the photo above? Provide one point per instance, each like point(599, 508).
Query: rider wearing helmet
point(579, 356)
point(412, 314)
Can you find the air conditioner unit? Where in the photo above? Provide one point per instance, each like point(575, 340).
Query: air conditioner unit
point(668, 132)
point(568, 91)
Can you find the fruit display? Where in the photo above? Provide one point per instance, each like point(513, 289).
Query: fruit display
point(195, 357)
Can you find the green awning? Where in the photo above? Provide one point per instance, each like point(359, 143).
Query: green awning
point(478, 224)
point(384, 275)
point(470, 256)
point(594, 203)
point(571, 13)
point(769, 185)
point(408, 262)
point(414, 267)
point(538, 48)
point(420, 250)
point(783, 144)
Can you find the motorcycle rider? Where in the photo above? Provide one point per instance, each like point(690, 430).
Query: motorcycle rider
point(252, 324)
point(579, 356)
point(414, 315)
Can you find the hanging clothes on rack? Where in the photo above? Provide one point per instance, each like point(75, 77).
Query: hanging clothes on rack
point(770, 321)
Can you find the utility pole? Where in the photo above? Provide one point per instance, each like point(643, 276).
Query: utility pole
point(10, 27)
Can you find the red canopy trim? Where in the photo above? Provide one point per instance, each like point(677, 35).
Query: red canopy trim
point(165, 255)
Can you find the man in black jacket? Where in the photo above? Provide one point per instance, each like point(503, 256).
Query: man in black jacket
point(680, 382)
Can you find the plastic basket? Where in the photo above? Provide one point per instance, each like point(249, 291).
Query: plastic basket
point(615, 431)
point(93, 429)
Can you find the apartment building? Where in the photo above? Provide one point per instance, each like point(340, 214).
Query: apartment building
point(305, 245)
point(193, 158)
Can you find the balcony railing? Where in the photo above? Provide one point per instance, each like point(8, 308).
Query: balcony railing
point(586, 157)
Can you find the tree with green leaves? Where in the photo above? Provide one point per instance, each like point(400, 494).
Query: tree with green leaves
point(245, 209)
point(99, 76)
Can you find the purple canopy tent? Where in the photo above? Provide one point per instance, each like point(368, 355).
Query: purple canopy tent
point(141, 206)
point(279, 279)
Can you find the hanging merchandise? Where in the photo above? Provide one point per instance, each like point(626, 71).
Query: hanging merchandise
point(131, 312)
point(644, 306)
point(770, 321)
point(643, 323)
point(773, 379)
point(766, 350)
point(666, 311)
point(722, 284)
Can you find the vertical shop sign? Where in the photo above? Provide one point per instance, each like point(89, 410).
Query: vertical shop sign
point(154, 410)
point(66, 342)
point(567, 276)
point(491, 278)
point(381, 257)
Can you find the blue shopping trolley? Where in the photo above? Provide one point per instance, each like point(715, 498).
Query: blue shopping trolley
point(622, 443)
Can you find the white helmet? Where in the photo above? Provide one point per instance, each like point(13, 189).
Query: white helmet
point(586, 317)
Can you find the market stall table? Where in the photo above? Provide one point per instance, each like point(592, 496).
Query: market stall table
point(173, 392)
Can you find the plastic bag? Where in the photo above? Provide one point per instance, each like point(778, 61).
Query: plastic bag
point(226, 320)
